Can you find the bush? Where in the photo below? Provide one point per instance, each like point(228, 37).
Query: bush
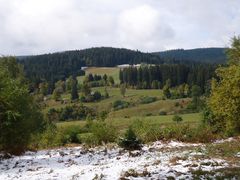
point(103, 132)
point(162, 113)
point(73, 112)
point(70, 134)
point(147, 100)
point(130, 140)
point(177, 118)
point(118, 104)
point(50, 137)
point(97, 96)
point(177, 104)
point(149, 114)
point(87, 138)
point(148, 132)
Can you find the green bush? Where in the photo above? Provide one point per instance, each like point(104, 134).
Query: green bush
point(70, 134)
point(149, 114)
point(177, 118)
point(119, 104)
point(103, 132)
point(147, 99)
point(177, 104)
point(130, 140)
point(162, 113)
point(50, 137)
point(73, 112)
point(97, 96)
point(182, 132)
point(87, 138)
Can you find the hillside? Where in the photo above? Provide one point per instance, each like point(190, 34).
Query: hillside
point(55, 66)
point(62, 64)
point(207, 55)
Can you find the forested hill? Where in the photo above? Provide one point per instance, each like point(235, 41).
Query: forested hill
point(207, 55)
point(60, 65)
point(55, 66)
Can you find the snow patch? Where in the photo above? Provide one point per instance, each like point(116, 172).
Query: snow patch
point(79, 163)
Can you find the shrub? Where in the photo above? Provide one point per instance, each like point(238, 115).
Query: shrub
point(70, 133)
point(147, 132)
point(147, 100)
point(176, 104)
point(130, 140)
point(97, 96)
point(50, 137)
point(103, 132)
point(149, 114)
point(162, 113)
point(177, 118)
point(118, 104)
point(73, 112)
point(87, 138)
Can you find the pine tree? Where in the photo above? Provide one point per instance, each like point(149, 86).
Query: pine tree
point(74, 90)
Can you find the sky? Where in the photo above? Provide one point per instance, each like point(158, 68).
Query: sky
point(30, 27)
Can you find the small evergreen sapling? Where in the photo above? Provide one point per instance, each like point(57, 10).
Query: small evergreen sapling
point(130, 140)
point(177, 118)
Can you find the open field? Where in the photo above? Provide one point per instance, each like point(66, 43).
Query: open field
point(132, 96)
point(123, 123)
point(110, 71)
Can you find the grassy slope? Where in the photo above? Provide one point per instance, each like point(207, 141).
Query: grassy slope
point(123, 123)
point(110, 71)
point(137, 111)
point(132, 95)
point(150, 109)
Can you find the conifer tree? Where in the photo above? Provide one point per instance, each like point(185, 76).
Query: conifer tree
point(74, 90)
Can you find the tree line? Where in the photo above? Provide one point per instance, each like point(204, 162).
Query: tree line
point(207, 55)
point(156, 76)
point(57, 66)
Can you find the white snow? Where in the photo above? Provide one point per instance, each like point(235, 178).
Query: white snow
point(159, 159)
point(224, 140)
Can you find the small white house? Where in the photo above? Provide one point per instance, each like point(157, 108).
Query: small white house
point(84, 67)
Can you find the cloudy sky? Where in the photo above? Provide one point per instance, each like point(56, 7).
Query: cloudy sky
point(42, 26)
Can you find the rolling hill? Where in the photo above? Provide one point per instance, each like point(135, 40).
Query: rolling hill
point(206, 55)
point(55, 66)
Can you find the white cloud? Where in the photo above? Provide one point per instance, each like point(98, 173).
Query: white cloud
point(143, 28)
point(33, 27)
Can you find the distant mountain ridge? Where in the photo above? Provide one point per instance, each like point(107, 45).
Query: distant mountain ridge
point(207, 55)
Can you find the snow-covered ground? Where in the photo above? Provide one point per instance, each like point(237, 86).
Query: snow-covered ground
point(158, 160)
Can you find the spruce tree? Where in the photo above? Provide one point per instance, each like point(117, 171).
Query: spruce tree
point(74, 90)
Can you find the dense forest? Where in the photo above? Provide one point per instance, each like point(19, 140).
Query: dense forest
point(208, 55)
point(56, 66)
point(156, 76)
